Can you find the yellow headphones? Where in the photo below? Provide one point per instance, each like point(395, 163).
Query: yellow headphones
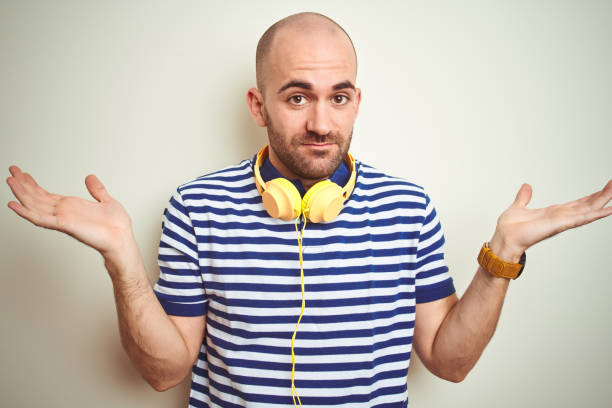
point(321, 203)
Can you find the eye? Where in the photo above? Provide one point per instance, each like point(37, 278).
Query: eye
point(297, 99)
point(340, 99)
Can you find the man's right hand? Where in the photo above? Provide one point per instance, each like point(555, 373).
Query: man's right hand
point(162, 347)
point(102, 224)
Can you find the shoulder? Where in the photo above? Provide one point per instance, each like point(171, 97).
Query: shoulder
point(232, 185)
point(227, 178)
point(373, 183)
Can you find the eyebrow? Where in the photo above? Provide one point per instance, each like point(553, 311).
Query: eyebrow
point(344, 85)
point(308, 85)
point(296, 84)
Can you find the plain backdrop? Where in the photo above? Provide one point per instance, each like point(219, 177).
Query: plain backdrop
point(469, 99)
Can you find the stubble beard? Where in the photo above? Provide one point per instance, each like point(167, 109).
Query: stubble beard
point(314, 166)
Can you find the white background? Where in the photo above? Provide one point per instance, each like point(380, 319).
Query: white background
point(469, 99)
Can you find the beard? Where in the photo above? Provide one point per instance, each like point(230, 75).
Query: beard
point(311, 164)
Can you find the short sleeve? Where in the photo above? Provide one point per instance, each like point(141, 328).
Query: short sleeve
point(180, 288)
point(433, 280)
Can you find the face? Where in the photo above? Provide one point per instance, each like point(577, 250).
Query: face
point(309, 103)
point(308, 154)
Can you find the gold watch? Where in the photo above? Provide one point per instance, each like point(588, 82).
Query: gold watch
point(497, 267)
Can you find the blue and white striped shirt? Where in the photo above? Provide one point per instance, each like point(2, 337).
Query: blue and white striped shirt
point(222, 255)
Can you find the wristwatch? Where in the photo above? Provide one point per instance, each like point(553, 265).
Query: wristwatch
point(498, 268)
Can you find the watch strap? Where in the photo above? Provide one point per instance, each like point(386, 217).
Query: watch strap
point(497, 267)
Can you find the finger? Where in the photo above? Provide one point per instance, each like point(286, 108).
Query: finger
point(26, 180)
point(14, 170)
point(31, 186)
point(524, 195)
point(29, 180)
point(596, 200)
point(41, 220)
point(20, 175)
point(583, 200)
point(596, 215)
point(96, 188)
point(29, 195)
point(604, 197)
point(18, 190)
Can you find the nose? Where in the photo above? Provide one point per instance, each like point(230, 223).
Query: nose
point(320, 119)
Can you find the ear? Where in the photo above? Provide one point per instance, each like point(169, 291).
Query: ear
point(255, 103)
point(357, 100)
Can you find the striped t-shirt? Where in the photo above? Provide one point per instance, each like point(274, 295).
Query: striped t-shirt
point(222, 255)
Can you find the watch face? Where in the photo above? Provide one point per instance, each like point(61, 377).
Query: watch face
point(522, 261)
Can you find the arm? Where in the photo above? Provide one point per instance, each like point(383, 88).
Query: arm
point(162, 347)
point(451, 334)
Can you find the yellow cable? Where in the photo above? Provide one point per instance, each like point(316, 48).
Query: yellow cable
point(294, 393)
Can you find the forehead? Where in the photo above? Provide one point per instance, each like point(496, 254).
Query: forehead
point(321, 57)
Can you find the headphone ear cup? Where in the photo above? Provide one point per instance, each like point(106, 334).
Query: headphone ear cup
point(282, 200)
point(323, 201)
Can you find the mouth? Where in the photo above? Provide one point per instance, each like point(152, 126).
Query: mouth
point(315, 145)
point(319, 149)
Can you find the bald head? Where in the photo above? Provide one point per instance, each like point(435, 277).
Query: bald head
point(303, 25)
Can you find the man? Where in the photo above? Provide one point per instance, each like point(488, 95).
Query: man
point(228, 298)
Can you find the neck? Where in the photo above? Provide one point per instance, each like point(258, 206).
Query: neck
point(288, 174)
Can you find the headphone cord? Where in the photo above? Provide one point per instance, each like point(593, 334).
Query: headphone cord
point(294, 393)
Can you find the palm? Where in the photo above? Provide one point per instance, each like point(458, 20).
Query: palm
point(100, 224)
point(525, 227)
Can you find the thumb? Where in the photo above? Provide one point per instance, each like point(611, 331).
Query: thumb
point(523, 196)
point(96, 188)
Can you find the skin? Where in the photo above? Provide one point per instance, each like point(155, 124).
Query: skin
point(450, 334)
point(309, 102)
point(163, 348)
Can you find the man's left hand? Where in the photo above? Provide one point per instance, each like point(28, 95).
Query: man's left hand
point(519, 227)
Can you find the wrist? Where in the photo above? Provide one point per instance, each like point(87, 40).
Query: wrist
point(500, 267)
point(124, 258)
point(505, 250)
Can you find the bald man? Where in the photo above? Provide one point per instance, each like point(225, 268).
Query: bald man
point(301, 276)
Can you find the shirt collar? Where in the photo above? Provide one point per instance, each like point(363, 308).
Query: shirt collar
point(268, 172)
